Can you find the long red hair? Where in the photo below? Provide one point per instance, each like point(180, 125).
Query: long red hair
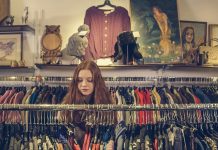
point(101, 93)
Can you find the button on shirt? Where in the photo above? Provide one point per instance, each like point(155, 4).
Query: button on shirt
point(104, 29)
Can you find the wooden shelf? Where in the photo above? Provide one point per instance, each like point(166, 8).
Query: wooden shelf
point(17, 28)
point(16, 71)
point(43, 66)
point(9, 67)
point(157, 66)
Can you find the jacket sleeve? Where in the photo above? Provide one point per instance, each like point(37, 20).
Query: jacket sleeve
point(126, 21)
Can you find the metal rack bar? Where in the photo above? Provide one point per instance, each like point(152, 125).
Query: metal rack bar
point(107, 107)
point(17, 78)
point(141, 80)
point(158, 79)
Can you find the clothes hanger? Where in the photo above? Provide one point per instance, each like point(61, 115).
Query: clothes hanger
point(207, 128)
point(199, 132)
point(106, 2)
point(107, 6)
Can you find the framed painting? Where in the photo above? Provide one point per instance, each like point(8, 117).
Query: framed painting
point(4, 9)
point(11, 46)
point(158, 25)
point(194, 35)
point(213, 35)
point(200, 30)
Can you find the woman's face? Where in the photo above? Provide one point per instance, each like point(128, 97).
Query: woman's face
point(189, 35)
point(155, 10)
point(85, 82)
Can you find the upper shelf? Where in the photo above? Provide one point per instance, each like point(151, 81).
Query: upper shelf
point(16, 71)
point(9, 67)
point(17, 28)
point(155, 66)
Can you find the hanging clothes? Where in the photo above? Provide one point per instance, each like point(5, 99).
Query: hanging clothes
point(104, 29)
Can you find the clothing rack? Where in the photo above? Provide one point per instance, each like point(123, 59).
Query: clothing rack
point(107, 107)
point(54, 79)
point(160, 79)
point(17, 78)
point(139, 80)
point(17, 81)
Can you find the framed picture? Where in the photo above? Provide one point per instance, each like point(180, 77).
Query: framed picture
point(11, 46)
point(193, 34)
point(213, 35)
point(158, 25)
point(4, 9)
point(200, 31)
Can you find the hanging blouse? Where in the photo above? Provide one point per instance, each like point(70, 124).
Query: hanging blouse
point(104, 29)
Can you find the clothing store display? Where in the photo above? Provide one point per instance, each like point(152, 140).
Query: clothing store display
point(104, 29)
point(117, 85)
point(133, 130)
point(77, 43)
point(127, 48)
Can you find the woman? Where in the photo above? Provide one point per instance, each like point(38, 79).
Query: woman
point(188, 44)
point(162, 21)
point(87, 87)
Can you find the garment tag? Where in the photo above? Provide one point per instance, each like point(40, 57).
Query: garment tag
point(136, 34)
point(82, 33)
point(39, 141)
point(171, 137)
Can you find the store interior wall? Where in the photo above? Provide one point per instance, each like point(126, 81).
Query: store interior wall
point(69, 14)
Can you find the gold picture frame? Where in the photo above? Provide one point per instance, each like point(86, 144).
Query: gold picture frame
point(213, 35)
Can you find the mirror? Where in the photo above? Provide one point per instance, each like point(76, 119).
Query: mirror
point(51, 41)
point(51, 44)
